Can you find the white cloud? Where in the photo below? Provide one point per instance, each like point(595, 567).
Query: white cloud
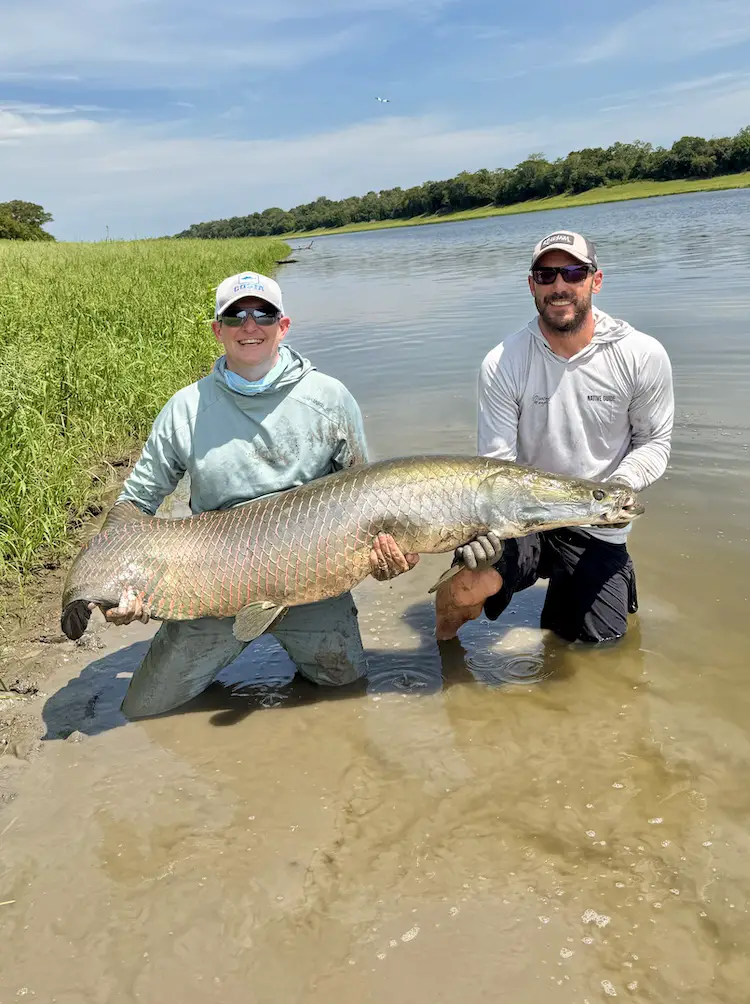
point(17, 125)
point(672, 30)
point(172, 42)
point(143, 180)
point(720, 90)
point(667, 31)
point(27, 108)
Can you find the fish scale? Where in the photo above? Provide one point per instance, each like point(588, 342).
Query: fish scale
point(305, 544)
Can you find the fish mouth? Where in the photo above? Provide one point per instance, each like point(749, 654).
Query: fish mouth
point(628, 511)
point(631, 507)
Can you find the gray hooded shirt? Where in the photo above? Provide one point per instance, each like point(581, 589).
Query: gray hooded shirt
point(299, 426)
point(606, 412)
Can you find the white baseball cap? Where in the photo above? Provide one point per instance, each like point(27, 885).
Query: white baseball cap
point(566, 240)
point(237, 287)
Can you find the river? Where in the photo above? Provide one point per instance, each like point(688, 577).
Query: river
point(501, 819)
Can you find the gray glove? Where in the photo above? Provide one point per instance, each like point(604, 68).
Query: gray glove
point(481, 552)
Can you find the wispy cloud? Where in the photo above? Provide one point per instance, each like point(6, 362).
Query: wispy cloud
point(713, 82)
point(484, 32)
point(28, 108)
point(662, 33)
point(17, 126)
point(172, 42)
point(672, 30)
point(703, 89)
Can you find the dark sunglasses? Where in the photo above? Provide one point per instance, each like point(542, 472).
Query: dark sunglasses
point(263, 318)
point(547, 274)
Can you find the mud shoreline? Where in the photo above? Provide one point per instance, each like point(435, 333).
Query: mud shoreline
point(34, 650)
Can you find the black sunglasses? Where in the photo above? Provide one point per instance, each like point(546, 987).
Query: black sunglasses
point(546, 274)
point(263, 318)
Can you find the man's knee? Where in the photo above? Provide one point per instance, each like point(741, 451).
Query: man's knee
point(183, 659)
point(576, 614)
point(461, 599)
point(594, 634)
point(332, 668)
point(324, 642)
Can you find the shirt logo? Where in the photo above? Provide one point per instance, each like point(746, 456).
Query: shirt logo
point(538, 399)
point(600, 397)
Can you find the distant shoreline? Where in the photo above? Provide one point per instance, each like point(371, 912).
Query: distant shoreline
point(595, 196)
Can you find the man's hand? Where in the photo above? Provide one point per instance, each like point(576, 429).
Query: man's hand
point(130, 609)
point(387, 560)
point(481, 552)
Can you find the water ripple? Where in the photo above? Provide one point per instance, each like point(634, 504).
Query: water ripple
point(494, 668)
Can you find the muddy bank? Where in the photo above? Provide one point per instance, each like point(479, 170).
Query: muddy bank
point(35, 656)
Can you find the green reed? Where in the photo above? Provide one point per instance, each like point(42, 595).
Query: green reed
point(94, 338)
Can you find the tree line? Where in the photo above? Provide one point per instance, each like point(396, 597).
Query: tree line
point(534, 178)
point(23, 221)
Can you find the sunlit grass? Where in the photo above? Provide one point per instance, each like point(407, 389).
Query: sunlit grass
point(94, 338)
point(595, 196)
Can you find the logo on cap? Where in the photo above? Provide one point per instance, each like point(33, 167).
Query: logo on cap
point(557, 239)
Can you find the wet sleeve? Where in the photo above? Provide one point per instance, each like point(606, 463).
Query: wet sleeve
point(159, 468)
point(497, 423)
point(351, 447)
point(651, 415)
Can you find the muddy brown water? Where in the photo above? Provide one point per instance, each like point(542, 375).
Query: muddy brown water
point(502, 818)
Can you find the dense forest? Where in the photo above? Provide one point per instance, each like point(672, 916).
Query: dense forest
point(533, 178)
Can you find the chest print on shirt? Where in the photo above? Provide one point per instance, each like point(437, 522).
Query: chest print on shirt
point(601, 397)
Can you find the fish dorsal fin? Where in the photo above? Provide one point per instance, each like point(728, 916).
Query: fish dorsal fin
point(125, 512)
point(119, 514)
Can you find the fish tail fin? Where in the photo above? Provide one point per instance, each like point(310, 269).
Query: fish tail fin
point(75, 618)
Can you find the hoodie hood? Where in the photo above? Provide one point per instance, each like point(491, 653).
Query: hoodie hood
point(287, 372)
point(606, 329)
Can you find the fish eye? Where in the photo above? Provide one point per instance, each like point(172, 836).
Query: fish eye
point(598, 494)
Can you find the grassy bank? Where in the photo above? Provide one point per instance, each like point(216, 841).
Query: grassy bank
point(93, 340)
point(615, 193)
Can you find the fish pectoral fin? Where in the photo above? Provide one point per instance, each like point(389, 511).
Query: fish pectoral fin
point(455, 569)
point(256, 618)
point(446, 576)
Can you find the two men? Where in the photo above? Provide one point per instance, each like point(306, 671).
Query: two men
point(575, 392)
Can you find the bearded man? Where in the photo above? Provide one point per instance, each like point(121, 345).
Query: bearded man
point(575, 392)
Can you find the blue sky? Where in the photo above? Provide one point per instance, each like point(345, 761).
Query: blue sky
point(144, 116)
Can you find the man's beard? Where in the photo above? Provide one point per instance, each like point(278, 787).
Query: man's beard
point(581, 308)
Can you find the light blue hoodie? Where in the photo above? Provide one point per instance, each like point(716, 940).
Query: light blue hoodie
point(293, 427)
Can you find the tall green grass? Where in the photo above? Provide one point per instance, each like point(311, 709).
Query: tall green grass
point(94, 338)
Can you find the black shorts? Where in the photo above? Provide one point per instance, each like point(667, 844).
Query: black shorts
point(591, 583)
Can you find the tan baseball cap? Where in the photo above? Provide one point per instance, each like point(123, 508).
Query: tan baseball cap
point(566, 240)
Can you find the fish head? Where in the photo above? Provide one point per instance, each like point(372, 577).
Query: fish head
point(533, 500)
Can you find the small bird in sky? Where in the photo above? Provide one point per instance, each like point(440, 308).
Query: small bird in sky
point(383, 100)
